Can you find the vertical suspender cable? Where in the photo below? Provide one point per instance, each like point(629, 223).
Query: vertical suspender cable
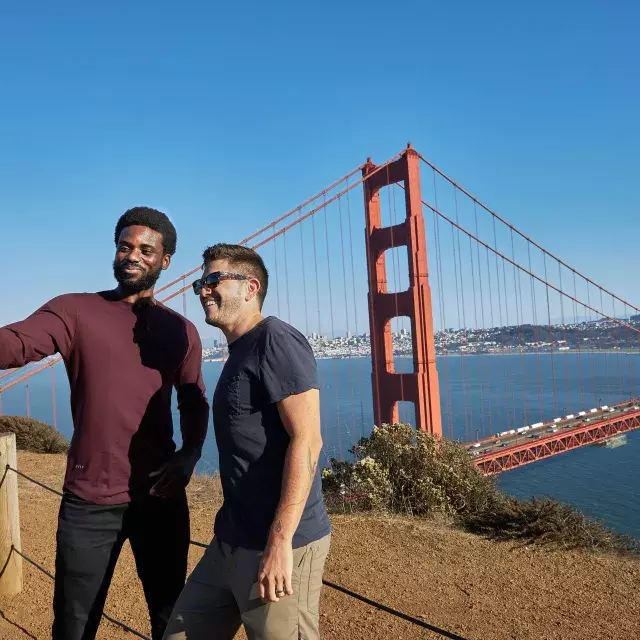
point(355, 310)
point(333, 331)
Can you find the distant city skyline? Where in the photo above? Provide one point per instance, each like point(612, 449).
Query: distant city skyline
point(587, 336)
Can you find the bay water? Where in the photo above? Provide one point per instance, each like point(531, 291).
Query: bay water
point(480, 396)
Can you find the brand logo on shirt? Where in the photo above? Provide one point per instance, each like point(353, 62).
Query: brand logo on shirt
point(79, 466)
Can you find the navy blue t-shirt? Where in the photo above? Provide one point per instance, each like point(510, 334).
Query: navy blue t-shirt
point(265, 365)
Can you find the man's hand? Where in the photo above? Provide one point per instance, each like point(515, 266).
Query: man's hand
point(173, 476)
point(276, 567)
point(300, 416)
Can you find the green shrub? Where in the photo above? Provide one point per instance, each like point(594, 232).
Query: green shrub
point(33, 435)
point(546, 521)
point(403, 471)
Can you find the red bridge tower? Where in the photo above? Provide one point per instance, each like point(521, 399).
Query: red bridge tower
point(389, 387)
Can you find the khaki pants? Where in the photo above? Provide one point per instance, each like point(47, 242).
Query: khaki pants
point(222, 593)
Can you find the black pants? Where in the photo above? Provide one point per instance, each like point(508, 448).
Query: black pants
point(89, 540)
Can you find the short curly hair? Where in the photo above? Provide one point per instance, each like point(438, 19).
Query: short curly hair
point(153, 219)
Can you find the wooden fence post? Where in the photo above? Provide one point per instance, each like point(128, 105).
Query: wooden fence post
point(11, 575)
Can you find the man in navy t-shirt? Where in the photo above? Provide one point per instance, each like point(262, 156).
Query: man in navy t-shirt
point(264, 566)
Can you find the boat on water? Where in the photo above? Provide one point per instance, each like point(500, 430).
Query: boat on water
point(613, 442)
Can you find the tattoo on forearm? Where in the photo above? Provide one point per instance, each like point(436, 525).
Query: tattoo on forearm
point(312, 465)
point(277, 527)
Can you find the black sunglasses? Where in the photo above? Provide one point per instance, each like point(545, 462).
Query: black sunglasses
point(214, 279)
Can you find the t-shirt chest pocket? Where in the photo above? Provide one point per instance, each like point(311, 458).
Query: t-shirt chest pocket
point(232, 398)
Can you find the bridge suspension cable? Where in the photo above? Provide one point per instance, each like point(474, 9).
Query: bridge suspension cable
point(521, 234)
point(495, 291)
point(492, 313)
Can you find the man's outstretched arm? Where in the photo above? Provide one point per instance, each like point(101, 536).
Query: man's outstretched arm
point(47, 331)
point(300, 416)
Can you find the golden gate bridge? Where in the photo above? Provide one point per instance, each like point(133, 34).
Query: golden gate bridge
point(435, 260)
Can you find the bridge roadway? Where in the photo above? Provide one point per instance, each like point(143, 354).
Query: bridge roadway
point(528, 444)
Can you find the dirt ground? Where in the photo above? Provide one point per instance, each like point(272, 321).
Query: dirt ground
point(478, 589)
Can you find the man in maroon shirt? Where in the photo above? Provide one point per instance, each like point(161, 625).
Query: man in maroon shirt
point(123, 351)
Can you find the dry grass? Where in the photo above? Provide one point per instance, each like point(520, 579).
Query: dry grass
point(468, 584)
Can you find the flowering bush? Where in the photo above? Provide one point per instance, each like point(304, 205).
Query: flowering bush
point(402, 470)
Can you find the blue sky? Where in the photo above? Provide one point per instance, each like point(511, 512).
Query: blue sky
point(227, 115)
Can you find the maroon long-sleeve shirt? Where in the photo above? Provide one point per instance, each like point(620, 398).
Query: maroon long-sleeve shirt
point(122, 361)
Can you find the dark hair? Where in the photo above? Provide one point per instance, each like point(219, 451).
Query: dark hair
point(245, 260)
point(153, 219)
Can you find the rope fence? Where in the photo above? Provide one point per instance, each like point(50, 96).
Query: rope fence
point(377, 605)
point(40, 568)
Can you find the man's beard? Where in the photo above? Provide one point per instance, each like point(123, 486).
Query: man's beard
point(134, 285)
point(226, 310)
